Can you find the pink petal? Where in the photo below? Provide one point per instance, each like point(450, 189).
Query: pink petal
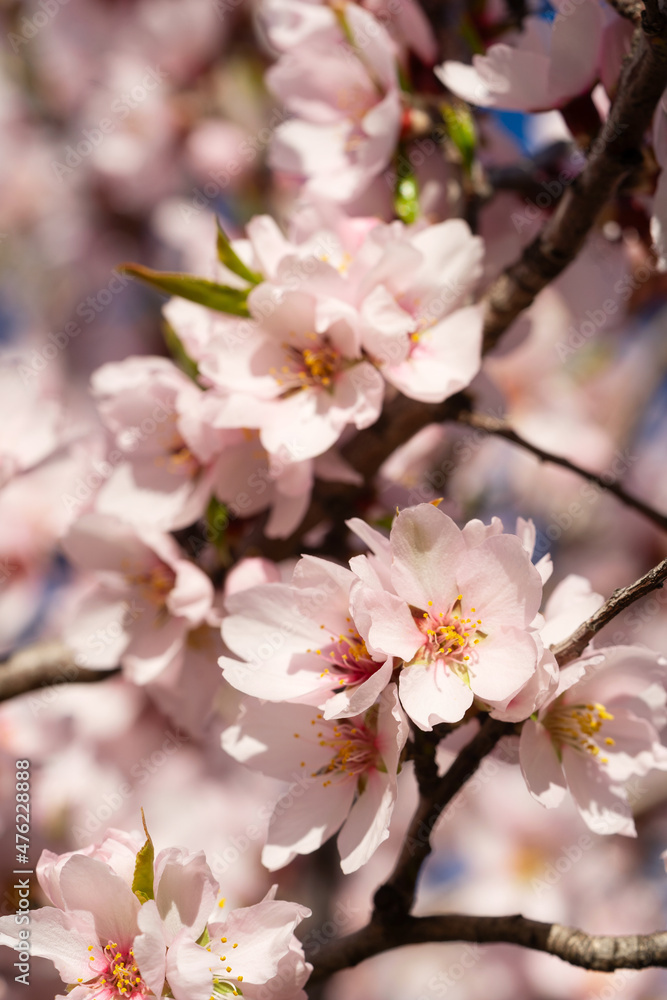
point(426, 546)
point(540, 765)
point(431, 694)
point(603, 806)
point(367, 826)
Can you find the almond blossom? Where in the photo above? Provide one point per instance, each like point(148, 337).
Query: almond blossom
point(299, 383)
point(599, 726)
point(457, 607)
point(340, 295)
point(144, 597)
point(124, 925)
point(600, 730)
point(104, 943)
point(252, 953)
point(346, 101)
point(546, 64)
point(298, 642)
point(290, 23)
point(160, 479)
point(342, 772)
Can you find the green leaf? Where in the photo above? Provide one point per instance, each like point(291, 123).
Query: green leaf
point(228, 256)
point(217, 522)
point(142, 883)
point(406, 199)
point(461, 130)
point(178, 352)
point(223, 989)
point(203, 938)
point(187, 286)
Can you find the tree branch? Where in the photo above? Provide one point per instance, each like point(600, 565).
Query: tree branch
point(569, 649)
point(597, 952)
point(614, 155)
point(396, 896)
point(42, 665)
point(499, 427)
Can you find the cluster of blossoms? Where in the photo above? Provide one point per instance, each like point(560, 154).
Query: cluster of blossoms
point(436, 624)
point(125, 924)
point(331, 678)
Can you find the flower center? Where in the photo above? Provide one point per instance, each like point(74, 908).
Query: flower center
point(117, 975)
point(451, 636)
point(154, 584)
point(308, 368)
point(225, 985)
point(348, 657)
point(354, 750)
point(354, 746)
point(178, 460)
point(578, 726)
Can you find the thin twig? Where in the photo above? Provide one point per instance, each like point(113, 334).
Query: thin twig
point(499, 427)
point(570, 648)
point(42, 665)
point(597, 952)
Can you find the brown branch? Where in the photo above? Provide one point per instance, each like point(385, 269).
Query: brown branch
point(499, 427)
point(574, 645)
point(42, 665)
point(630, 9)
point(597, 952)
point(615, 154)
point(396, 896)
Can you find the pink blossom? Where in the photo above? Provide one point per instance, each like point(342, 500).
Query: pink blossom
point(458, 607)
point(339, 296)
point(299, 642)
point(109, 941)
point(342, 772)
point(150, 407)
point(542, 67)
point(347, 106)
point(99, 936)
point(301, 385)
point(144, 599)
point(32, 419)
point(598, 730)
point(252, 953)
point(292, 23)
